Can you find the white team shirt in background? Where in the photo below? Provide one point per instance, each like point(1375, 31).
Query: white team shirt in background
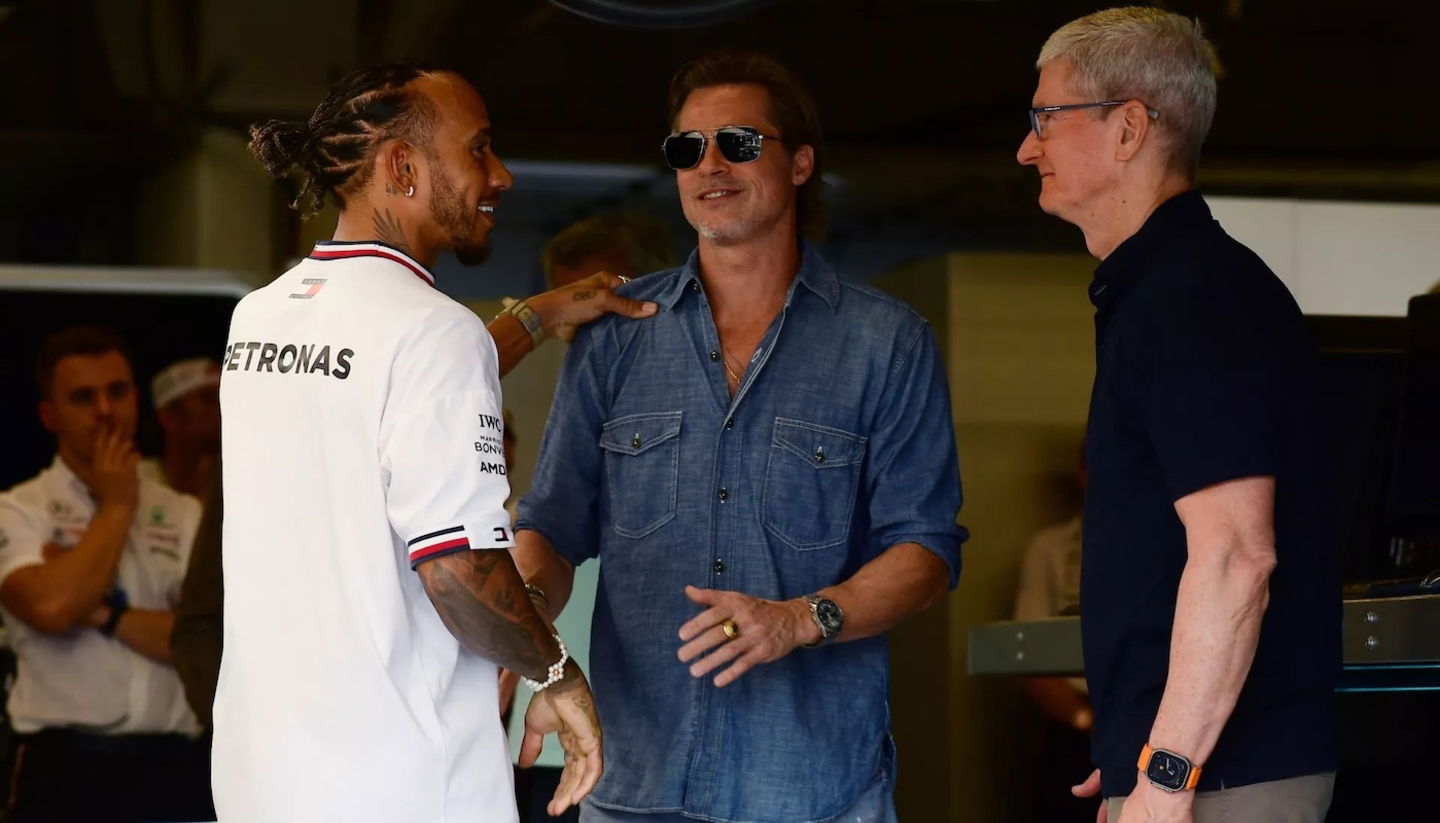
point(84, 679)
point(362, 432)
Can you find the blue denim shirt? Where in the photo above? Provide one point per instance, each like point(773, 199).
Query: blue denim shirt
point(837, 446)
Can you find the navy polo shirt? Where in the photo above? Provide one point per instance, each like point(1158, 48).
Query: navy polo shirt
point(1204, 373)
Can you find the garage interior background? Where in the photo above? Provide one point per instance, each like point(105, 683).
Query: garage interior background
point(122, 125)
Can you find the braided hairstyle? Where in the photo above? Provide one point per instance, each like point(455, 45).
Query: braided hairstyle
point(334, 149)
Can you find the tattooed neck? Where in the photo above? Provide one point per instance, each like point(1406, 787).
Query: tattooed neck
point(387, 229)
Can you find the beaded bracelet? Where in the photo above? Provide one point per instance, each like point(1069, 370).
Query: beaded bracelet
point(557, 671)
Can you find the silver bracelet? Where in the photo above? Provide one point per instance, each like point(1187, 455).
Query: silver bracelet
point(520, 310)
point(557, 671)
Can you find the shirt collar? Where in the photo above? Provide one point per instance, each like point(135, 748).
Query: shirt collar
point(64, 481)
point(342, 249)
point(816, 274)
point(1132, 258)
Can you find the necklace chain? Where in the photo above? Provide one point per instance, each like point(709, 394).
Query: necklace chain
point(727, 358)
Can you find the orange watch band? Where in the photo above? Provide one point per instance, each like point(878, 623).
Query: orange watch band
point(1191, 781)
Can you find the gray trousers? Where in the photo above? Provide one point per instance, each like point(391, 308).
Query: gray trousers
point(1296, 800)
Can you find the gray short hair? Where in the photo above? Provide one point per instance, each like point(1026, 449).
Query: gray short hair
point(1145, 54)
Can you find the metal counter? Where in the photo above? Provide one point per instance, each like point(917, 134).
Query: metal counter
point(1389, 644)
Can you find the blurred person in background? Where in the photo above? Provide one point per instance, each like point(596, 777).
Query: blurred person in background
point(624, 243)
point(91, 559)
point(1049, 586)
point(186, 395)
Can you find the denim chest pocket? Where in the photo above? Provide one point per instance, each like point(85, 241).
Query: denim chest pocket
point(810, 484)
point(642, 468)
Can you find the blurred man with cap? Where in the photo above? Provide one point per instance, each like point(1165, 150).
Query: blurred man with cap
point(186, 395)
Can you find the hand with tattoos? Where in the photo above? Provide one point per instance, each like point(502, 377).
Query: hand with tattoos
point(567, 308)
point(483, 602)
point(567, 709)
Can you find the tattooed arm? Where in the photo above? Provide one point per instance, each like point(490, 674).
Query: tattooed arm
point(562, 311)
point(482, 600)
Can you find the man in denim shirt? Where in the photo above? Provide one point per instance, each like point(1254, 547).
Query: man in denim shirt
point(767, 469)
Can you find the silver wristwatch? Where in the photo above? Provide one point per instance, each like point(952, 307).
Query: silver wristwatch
point(828, 616)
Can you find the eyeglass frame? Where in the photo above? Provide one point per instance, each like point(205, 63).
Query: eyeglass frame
point(705, 139)
point(1036, 111)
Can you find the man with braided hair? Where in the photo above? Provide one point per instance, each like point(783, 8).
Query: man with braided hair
point(362, 436)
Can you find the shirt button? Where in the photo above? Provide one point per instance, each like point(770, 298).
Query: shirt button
point(719, 566)
point(714, 355)
point(724, 493)
point(820, 455)
point(729, 424)
point(635, 442)
point(694, 286)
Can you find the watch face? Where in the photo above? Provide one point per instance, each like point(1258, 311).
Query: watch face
point(830, 617)
point(1168, 771)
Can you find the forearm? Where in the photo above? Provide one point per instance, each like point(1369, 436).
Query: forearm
point(59, 594)
point(1219, 608)
point(482, 600)
point(543, 567)
point(147, 632)
point(1060, 701)
point(905, 579)
point(512, 341)
point(81, 575)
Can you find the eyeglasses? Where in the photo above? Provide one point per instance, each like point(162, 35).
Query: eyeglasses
point(1037, 125)
point(738, 144)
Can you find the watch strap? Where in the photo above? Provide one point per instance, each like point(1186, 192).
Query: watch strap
point(119, 603)
point(814, 618)
point(1191, 780)
point(521, 311)
point(813, 601)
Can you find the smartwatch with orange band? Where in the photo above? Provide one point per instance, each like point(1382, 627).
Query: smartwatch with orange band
point(1168, 770)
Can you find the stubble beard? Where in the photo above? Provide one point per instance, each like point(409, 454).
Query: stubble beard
point(448, 210)
point(731, 232)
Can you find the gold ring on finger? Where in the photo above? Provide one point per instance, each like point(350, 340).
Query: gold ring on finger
point(731, 630)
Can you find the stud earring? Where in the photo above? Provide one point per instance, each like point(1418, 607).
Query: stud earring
point(410, 192)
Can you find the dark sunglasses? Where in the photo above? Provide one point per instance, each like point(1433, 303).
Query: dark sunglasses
point(738, 144)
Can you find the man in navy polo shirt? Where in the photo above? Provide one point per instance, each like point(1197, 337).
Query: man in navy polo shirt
point(1211, 617)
